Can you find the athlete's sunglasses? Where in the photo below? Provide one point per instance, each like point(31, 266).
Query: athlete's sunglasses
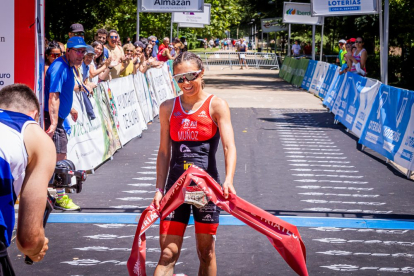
point(190, 76)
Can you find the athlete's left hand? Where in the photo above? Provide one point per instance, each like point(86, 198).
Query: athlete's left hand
point(228, 188)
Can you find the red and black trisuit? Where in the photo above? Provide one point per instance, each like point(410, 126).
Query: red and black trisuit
point(195, 138)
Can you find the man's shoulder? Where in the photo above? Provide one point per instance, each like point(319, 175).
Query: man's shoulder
point(58, 66)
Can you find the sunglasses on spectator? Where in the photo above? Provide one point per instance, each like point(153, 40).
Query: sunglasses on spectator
point(55, 55)
point(153, 41)
point(113, 36)
point(79, 34)
point(80, 52)
point(358, 41)
point(190, 76)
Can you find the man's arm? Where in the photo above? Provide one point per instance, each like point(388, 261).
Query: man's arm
point(54, 103)
point(30, 237)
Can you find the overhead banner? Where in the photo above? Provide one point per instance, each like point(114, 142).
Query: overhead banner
point(299, 13)
point(190, 25)
point(390, 125)
point(270, 25)
point(343, 7)
point(164, 6)
point(193, 17)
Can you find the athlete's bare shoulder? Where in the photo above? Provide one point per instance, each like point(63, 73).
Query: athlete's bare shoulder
point(38, 143)
point(219, 105)
point(166, 107)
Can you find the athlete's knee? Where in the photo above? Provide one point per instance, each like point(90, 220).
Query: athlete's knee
point(169, 256)
point(206, 254)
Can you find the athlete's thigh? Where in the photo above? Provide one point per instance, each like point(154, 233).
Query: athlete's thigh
point(171, 242)
point(205, 243)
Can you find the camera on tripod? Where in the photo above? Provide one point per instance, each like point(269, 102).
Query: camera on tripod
point(62, 177)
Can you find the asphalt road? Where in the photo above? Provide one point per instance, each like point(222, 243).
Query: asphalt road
point(291, 162)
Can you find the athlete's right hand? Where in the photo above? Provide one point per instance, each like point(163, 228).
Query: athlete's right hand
point(39, 256)
point(51, 130)
point(157, 198)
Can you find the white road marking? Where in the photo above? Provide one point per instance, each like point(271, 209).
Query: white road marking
point(154, 154)
point(327, 175)
point(348, 253)
point(149, 168)
point(137, 192)
point(108, 237)
point(152, 162)
point(92, 262)
point(134, 198)
point(316, 157)
point(152, 158)
point(365, 230)
point(330, 181)
point(101, 248)
point(334, 188)
point(306, 136)
point(316, 161)
point(318, 165)
point(142, 185)
point(320, 209)
point(301, 143)
point(299, 139)
point(319, 170)
point(129, 207)
point(144, 178)
point(345, 267)
point(316, 153)
point(313, 146)
point(147, 172)
point(115, 225)
point(344, 195)
point(311, 149)
point(319, 201)
point(366, 242)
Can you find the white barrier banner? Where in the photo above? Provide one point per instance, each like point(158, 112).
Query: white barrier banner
point(129, 115)
point(160, 84)
point(318, 77)
point(191, 25)
point(144, 98)
point(201, 18)
point(299, 13)
point(270, 25)
point(6, 43)
point(343, 7)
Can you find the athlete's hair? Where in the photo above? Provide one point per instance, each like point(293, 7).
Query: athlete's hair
point(18, 97)
point(191, 57)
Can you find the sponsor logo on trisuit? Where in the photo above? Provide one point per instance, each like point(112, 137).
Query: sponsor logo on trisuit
point(203, 114)
point(187, 165)
point(184, 148)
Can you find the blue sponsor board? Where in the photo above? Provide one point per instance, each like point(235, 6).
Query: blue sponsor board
point(307, 80)
point(387, 124)
point(333, 91)
point(350, 100)
point(328, 80)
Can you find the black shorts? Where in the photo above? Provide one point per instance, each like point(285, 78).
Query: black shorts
point(59, 137)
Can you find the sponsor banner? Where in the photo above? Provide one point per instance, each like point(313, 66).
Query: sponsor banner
point(355, 101)
point(389, 129)
point(162, 6)
point(270, 25)
point(333, 71)
point(300, 72)
point(318, 77)
point(125, 108)
point(299, 13)
point(200, 18)
point(285, 64)
point(190, 25)
point(310, 71)
point(91, 141)
point(333, 91)
point(7, 43)
point(143, 95)
point(343, 7)
point(291, 69)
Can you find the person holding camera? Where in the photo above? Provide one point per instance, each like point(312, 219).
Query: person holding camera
point(27, 162)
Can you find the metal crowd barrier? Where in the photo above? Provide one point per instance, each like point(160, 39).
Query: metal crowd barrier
point(231, 59)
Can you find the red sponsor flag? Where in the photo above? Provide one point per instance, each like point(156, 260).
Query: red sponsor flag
point(284, 236)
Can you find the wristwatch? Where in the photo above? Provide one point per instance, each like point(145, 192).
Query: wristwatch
point(159, 190)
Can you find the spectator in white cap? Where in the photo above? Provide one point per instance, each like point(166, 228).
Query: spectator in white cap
point(342, 51)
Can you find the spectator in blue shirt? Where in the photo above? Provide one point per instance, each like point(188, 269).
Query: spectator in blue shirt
point(59, 86)
point(153, 41)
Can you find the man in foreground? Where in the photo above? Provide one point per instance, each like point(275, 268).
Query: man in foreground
point(27, 162)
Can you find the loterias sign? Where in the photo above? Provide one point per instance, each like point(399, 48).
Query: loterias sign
point(161, 6)
point(299, 13)
point(343, 7)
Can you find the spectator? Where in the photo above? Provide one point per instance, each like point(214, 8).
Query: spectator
point(76, 30)
point(358, 60)
point(242, 56)
point(349, 49)
point(153, 41)
point(178, 48)
point(165, 43)
point(101, 35)
point(233, 43)
point(87, 64)
point(128, 64)
point(139, 63)
point(149, 60)
point(205, 42)
point(99, 70)
point(62, 47)
point(58, 92)
point(296, 49)
point(217, 42)
point(116, 52)
point(342, 51)
point(211, 43)
point(184, 42)
point(127, 40)
point(53, 51)
point(307, 49)
point(165, 54)
point(27, 163)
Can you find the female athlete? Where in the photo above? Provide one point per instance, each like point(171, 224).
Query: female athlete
point(191, 127)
